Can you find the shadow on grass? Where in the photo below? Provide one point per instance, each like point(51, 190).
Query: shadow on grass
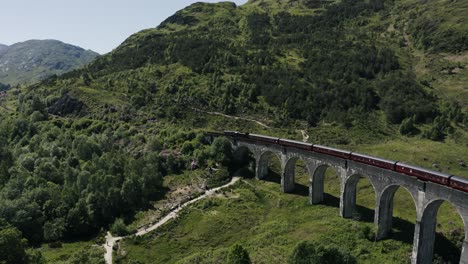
point(272, 176)
point(402, 231)
point(330, 200)
point(447, 250)
point(365, 214)
point(301, 190)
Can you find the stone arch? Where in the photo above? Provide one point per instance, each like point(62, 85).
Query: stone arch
point(262, 163)
point(244, 155)
point(384, 211)
point(425, 235)
point(349, 194)
point(288, 180)
point(317, 182)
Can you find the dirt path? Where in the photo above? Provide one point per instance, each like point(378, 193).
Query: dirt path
point(4, 107)
point(232, 117)
point(110, 240)
point(305, 136)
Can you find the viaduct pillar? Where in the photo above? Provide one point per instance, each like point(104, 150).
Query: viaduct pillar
point(288, 174)
point(384, 212)
point(316, 183)
point(348, 194)
point(261, 169)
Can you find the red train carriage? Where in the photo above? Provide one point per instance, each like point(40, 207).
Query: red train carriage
point(295, 144)
point(459, 183)
point(332, 151)
point(423, 174)
point(374, 161)
point(264, 139)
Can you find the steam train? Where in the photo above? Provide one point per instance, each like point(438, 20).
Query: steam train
point(414, 171)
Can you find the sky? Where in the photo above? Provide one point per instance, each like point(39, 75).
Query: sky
point(99, 25)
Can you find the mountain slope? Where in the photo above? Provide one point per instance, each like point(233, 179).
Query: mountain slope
point(34, 60)
point(2, 48)
point(97, 143)
point(234, 57)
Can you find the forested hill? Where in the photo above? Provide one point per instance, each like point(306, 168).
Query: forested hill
point(79, 150)
point(33, 60)
point(340, 61)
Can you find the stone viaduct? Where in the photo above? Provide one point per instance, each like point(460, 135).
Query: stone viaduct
point(427, 196)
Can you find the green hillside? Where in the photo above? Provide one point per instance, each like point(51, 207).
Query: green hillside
point(33, 60)
point(106, 141)
point(269, 224)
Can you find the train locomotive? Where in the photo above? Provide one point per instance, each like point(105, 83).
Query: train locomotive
point(422, 174)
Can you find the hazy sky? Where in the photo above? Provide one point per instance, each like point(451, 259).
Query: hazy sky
point(100, 25)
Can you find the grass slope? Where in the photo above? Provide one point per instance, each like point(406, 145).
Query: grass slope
point(269, 224)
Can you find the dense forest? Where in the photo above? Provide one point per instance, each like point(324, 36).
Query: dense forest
point(81, 150)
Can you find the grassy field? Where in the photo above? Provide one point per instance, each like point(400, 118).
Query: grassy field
point(68, 250)
point(446, 157)
point(269, 224)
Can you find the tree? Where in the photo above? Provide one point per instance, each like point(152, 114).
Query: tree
point(310, 253)
point(85, 147)
point(221, 151)
point(439, 129)
point(119, 228)
point(238, 255)
point(54, 230)
point(12, 245)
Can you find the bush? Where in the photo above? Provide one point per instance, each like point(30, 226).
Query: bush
point(238, 255)
point(90, 255)
point(367, 233)
point(407, 127)
point(439, 130)
point(37, 116)
point(309, 253)
point(119, 228)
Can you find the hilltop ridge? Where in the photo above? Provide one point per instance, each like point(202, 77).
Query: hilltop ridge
point(34, 60)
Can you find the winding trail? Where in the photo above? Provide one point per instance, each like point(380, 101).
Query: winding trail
point(230, 116)
point(305, 136)
point(110, 240)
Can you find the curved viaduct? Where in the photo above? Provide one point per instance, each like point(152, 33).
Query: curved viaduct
point(427, 196)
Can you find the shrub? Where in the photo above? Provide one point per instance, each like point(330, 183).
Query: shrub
point(367, 233)
point(439, 130)
point(119, 228)
point(309, 253)
point(238, 255)
point(407, 127)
